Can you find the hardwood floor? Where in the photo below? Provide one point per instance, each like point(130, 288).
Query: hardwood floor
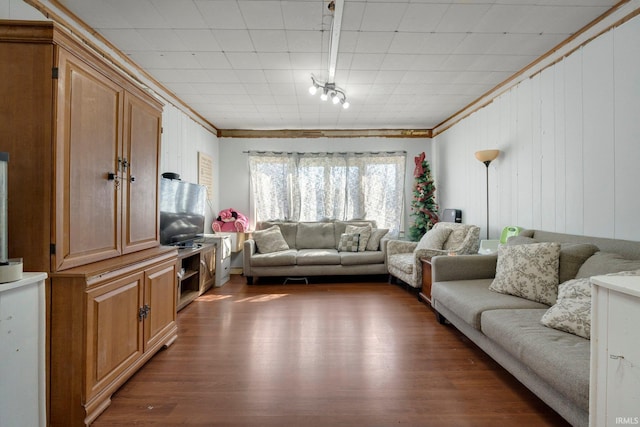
point(344, 354)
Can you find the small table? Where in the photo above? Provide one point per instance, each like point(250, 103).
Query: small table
point(425, 293)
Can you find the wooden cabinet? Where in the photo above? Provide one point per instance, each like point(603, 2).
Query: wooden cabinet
point(112, 316)
point(83, 206)
point(615, 351)
point(84, 145)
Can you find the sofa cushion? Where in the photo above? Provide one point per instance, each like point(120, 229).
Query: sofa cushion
point(274, 259)
point(360, 258)
point(270, 240)
point(315, 235)
point(318, 257)
point(403, 262)
point(572, 312)
point(349, 242)
point(364, 231)
point(341, 226)
point(606, 263)
point(469, 298)
point(373, 244)
point(434, 238)
point(559, 358)
point(528, 271)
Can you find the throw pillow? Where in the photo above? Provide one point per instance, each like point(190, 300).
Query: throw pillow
point(270, 240)
point(364, 232)
point(572, 255)
point(434, 238)
point(528, 271)
point(373, 244)
point(572, 312)
point(349, 242)
point(456, 238)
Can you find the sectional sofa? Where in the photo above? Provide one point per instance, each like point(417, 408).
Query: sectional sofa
point(303, 249)
point(551, 362)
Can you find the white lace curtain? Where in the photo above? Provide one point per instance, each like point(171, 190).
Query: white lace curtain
point(321, 186)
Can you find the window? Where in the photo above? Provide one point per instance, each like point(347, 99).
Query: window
point(320, 186)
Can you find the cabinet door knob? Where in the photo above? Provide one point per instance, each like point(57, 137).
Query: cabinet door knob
point(132, 178)
point(111, 176)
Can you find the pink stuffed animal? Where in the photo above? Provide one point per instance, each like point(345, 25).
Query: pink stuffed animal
point(230, 220)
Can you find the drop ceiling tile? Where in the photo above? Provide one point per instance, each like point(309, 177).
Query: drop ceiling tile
point(179, 13)
point(305, 61)
point(420, 17)
point(269, 40)
point(149, 59)
point(304, 41)
point(374, 42)
point(251, 76)
point(362, 77)
point(258, 89)
point(274, 61)
point(162, 39)
point(351, 16)
point(221, 14)
point(278, 76)
point(223, 76)
point(181, 60)
point(212, 60)
point(140, 13)
point(462, 17)
point(102, 15)
point(201, 40)
point(397, 62)
point(442, 43)
point(234, 40)
point(261, 14)
point(127, 40)
point(382, 16)
point(244, 60)
point(428, 62)
point(409, 43)
point(303, 15)
point(366, 61)
point(180, 76)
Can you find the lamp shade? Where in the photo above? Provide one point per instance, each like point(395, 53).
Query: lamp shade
point(487, 155)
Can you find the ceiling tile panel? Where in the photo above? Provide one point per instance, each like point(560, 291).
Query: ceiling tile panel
point(221, 14)
point(403, 63)
point(261, 14)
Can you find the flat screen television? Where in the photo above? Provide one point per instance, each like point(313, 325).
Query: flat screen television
point(182, 212)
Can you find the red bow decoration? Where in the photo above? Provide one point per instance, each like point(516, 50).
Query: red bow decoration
point(419, 170)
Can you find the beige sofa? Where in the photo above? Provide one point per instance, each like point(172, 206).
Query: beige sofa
point(552, 363)
point(312, 249)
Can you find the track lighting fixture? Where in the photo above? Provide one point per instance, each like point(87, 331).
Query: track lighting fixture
point(329, 90)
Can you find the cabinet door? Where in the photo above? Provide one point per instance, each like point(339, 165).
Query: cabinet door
point(207, 268)
point(141, 156)
point(87, 207)
point(160, 298)
point(114, 330)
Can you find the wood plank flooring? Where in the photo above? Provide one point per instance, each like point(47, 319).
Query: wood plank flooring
point(324, 354)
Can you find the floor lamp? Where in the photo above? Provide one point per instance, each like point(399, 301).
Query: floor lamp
point(486, 157)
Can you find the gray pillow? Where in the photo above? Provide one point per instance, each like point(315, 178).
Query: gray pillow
point(434, 238)
point(373, 244)
point(270, 240)
point(606, 263)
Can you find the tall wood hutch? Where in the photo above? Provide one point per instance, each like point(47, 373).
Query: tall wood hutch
point(83, 206)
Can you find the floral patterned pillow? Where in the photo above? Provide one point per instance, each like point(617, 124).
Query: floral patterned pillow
point(572, 312)
point(364, 232)
point(434, 238)
point(528, 271)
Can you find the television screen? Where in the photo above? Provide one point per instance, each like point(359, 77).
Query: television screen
point(182, 211)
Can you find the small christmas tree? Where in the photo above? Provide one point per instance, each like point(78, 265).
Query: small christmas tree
point(424, 206)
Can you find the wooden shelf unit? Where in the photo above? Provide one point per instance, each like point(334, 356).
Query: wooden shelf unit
point(196, 272)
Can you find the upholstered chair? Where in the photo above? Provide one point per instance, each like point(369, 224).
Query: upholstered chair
point(445, 238)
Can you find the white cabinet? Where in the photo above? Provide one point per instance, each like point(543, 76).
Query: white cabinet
point(22, 354)
point(615, 351)
point(223, 259)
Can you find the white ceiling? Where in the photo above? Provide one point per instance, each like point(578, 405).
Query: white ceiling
point(405, 64)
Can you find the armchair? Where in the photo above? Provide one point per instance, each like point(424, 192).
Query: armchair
point(403, 257)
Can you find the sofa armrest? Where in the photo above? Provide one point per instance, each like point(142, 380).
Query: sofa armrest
point(400, 247)
point(248, 250)
point(463, 267)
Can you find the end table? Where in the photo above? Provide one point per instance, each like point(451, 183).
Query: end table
point(425, 293)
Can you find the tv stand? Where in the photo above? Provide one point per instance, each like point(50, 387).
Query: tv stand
point(196, 272)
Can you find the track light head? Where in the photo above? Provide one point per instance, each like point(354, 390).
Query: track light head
point(338, 96)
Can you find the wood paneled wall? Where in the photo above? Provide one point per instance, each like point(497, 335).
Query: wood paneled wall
point(570, 147)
